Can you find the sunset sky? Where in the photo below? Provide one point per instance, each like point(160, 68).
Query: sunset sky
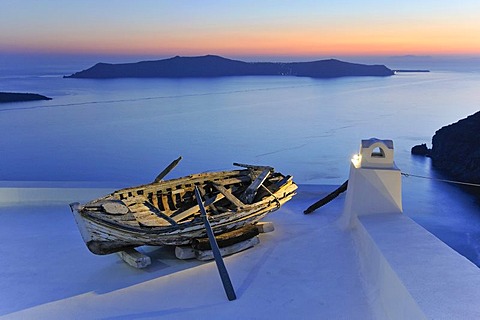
point(241, 28)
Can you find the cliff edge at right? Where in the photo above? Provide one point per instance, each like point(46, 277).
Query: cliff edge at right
point(456, 150)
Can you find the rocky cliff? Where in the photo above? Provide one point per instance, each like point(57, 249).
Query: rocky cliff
point(456, 149)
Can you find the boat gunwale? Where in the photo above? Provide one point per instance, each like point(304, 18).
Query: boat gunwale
point(192, 179)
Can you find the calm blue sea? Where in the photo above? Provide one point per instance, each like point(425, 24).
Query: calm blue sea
point(125, 131)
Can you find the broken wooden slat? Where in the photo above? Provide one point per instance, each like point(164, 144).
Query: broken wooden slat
point(239, 179)
point(145, 213)
point(282, 182)
point(146, 218)
point(195, 209)
point(250, 166)
point(167, 170)
point(186, 213)
point(251, 191)
point(286, 184)
point(159, 213)
point(228, 194)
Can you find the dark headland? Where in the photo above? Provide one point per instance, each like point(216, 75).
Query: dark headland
point(456, 150)
point(215, 66)
point(20, 97)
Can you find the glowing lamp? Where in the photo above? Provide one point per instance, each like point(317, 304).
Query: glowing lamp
point(356, 160)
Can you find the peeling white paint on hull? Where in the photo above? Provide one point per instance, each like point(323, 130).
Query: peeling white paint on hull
point(110, 224)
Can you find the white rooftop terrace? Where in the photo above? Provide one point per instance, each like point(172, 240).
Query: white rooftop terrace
point(381, 265)
point(307, 268)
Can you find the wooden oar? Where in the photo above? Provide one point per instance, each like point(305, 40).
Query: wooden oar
point(222, 270)
point(327, 199)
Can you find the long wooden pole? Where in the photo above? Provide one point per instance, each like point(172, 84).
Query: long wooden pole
point(169, 168)
point(327, 199)
point(222, 270)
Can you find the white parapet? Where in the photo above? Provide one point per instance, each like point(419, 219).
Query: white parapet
point(374, 183)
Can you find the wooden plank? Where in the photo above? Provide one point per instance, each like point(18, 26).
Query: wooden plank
point(250, 166)
point(184, 252)
point(155, 199)
point(142, 211)
point(251, 191)
point(169, 168)
point(234, 200)
point(148, 219)
point(165, 202)
point(186, 213)
point(176, 191)
point(187, 252)
point(284, 181)
point(239, 179)
point(227, 238)
point(265, 227)
point(283, 185)
point(195, 209)
point(134, 258)
point(205, 255)
point(159, 213)
point(327, 198)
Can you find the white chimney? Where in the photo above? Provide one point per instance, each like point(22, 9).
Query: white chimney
point(374, 184)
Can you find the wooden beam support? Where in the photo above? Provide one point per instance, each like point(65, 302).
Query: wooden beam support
point(251, 191)
point(229, 195)
point(205, 255)
point(265, 226)
point(134, 258)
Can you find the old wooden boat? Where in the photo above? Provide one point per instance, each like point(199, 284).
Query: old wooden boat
point(166, 212)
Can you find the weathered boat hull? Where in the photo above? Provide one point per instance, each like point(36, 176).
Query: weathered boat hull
point(108, 232)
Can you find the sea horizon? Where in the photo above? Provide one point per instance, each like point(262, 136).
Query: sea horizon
point(65, 64)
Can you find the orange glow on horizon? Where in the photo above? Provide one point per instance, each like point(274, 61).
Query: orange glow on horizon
point(302, 28)
point(285, 48)
point(343, 42)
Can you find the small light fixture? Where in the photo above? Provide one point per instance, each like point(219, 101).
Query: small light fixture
point(356, 159)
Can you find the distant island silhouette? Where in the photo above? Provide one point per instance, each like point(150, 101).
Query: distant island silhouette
point(20, 97)
point(215, 66)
